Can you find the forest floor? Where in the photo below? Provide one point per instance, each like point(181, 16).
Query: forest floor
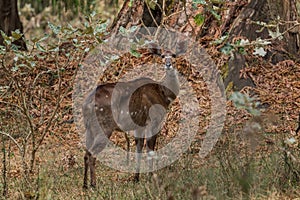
point(231, 170)
point(246, 162)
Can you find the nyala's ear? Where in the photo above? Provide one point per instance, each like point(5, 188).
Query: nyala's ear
point(154, 49)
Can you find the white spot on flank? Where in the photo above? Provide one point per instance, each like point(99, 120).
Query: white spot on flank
point(101, 109)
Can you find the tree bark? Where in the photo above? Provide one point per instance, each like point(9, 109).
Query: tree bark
point(138, 13)
point(10, 21)
point(246, 26)
point(269, 11)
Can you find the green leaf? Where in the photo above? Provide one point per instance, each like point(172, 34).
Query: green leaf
point(89, 30)
point(243, 42)
point(23, 65)
point(2, 49)
point(290, 141)
point(14, 47)
point(40, 48)
point(130, 3)
point(86, 24)
point(132, 29)
point(202, 2)
point(123, 31)
point(35, 40)
point(262, 42)
point(199, 19)
point(32, 64)
point(242, 50)
point(15, 68)
point(220, 40)
point(93, 14)
point(5, 37)
point(7, 40)
point(56, 29)
point(54, 49)
point(243, 101)
point(16, 35)
point(215, 14)
point(227, 49)
point(276, 34)
point(259, 51)
point(151, 3)
point(101, 28)
point(135, 53)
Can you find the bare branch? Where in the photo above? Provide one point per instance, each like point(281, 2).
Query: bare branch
point(12, 139)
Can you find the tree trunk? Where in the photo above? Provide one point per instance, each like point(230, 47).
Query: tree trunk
point(10, 21)
point(138, 13)
point(246, 26)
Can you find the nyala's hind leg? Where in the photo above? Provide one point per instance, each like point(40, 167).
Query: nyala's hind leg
point(86, 169)
point(150, 143)
point(89, 163)
point(139, 148)
point(92, 163)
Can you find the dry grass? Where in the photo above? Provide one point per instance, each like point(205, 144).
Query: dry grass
point(229, 173)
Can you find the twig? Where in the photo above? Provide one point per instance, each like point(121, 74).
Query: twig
point(12, 139)
point(4, 170)
point(151, 15)
point(24, 108)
